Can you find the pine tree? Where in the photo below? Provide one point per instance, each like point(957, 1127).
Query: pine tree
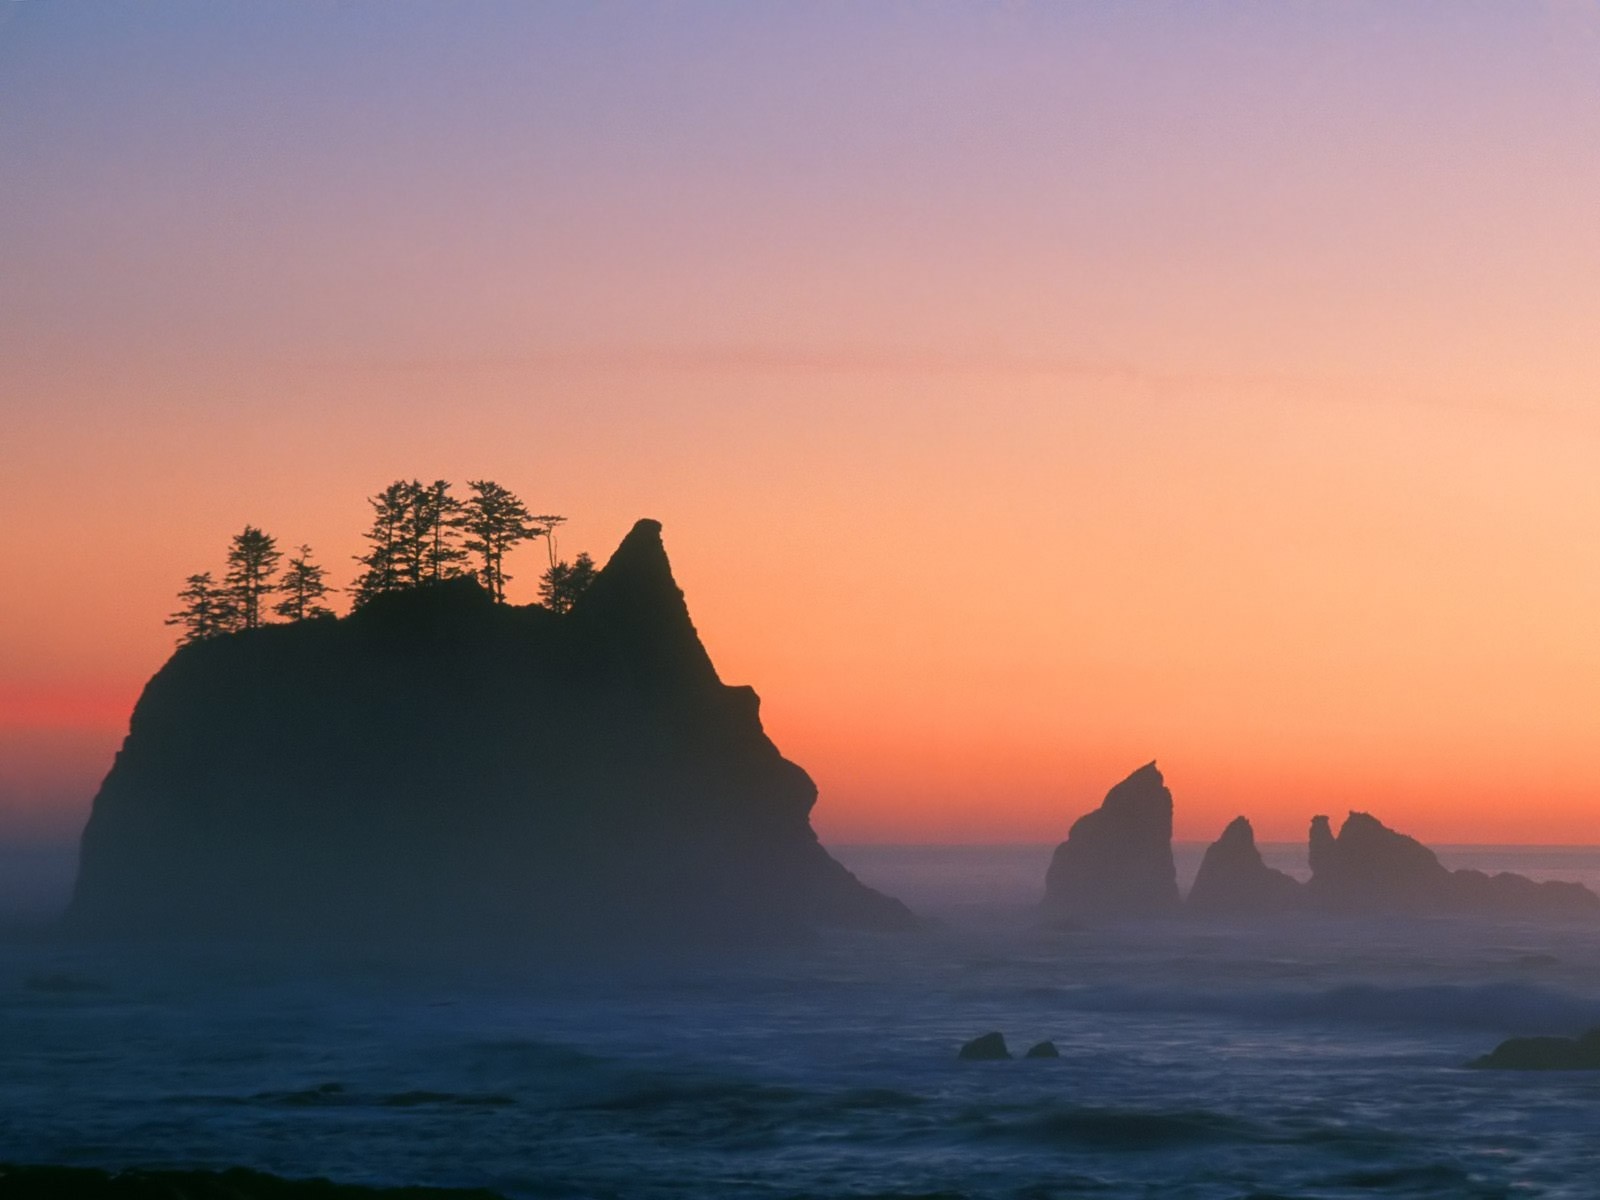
point(548, 523)
point(252, 559)
point(495, 521)
point(303, 589)
point(413, 536)
point(565, 582)
point(207, 610)
point(382, 563)
point(437, 515)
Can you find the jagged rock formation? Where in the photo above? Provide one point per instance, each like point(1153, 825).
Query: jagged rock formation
point(1117, 860)
point(438, 766)
point(1234, 881)
point(1369, 868)
point(991, 1047)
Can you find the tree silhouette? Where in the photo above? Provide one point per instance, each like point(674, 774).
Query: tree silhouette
point(252, 559)
point(565, 582)
point(207, 610)
point(549, 523)
point(435, 517)
point(413, 538)
point(303, 589)
point(413, 535)
point(382, 572)
point(495, 521)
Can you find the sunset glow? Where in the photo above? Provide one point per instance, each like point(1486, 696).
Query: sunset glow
point(1026, 391)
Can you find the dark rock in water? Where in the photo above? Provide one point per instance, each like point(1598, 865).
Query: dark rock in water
point(1043, 1050)
point(1117, 860)
point(1544, 1054)
point(989, 1047)
point(438, 768)
point(1234, 881)
point(86, 1183)
point(1371, 869)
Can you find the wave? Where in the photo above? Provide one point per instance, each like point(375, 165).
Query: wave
point(1111, 1129)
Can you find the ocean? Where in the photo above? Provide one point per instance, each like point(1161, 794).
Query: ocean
point(1292, 1058)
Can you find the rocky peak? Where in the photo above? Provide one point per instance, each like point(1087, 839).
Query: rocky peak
point(1117, 860)
point(636, 605)
point(1234, 880)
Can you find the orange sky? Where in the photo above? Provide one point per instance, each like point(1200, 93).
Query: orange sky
point(1027, 392)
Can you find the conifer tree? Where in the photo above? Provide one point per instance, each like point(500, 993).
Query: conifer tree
point(563, 583)
point(548, 523)
point(413, 536)
point(252, 560)
point(207, 610)
point(382, 563)
point(495, 521)
point(437, 516)
point(303, 589)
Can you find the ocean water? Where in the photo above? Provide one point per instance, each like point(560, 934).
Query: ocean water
point(1298, 1058)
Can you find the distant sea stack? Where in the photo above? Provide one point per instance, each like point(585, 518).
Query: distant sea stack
point(1235, 881)
point(439, 766)
point(1371, 869)
point(1117, 860)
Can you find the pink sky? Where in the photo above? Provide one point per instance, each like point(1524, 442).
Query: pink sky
point(1027, 391)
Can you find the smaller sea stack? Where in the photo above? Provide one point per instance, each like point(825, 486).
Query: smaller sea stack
point(1234, 881)
point(1117, 860)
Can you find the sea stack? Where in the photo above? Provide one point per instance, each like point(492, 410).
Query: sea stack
point(1234, 881)
point(1117, 860)
point(439, 767)
point(1371, 869)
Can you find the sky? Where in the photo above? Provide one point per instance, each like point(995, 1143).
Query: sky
point(1028, 391)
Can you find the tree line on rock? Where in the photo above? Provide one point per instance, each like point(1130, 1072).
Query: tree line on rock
point(420, 534)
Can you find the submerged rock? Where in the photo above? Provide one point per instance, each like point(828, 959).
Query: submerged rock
point(1371, 869)
point(1581, 1053)
point(988, 1048)
point(1043, 1050)
point(1117, 860)
point(438, 767)
point(1234, 881)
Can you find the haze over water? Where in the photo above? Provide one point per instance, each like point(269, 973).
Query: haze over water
point(1311, 1058)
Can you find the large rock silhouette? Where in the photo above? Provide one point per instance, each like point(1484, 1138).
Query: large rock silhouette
point(1370, 869)
point(1117, 860)
point(1234, 880)
point(437, 766)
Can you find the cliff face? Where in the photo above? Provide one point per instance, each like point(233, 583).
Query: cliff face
point(437, 765)
point(1117, 860)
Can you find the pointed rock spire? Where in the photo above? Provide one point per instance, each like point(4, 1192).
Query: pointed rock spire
point(1234, 880)
point(1117, 860)
point(638, 605)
